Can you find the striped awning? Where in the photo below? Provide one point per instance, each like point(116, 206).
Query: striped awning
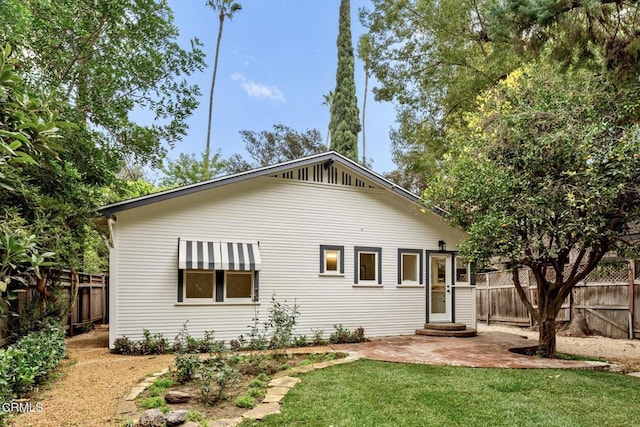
point(205, 255)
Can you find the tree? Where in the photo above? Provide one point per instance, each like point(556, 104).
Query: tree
point(344, 123)
point(270, 147)
point(105, 60)
point(428, 60)
point(601, 35)
point(226, 10)
point(327, 100)
point(545, 174)
point(28, 130)
point(364, 53)
point(188, 169)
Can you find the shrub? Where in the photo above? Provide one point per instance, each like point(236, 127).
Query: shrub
point(152, 402)
point(256, 383)
point(245, 402)
point(186, 366)
point(301, 341)
point(282, 321)
point(153, 343)
point(27, 363)
point(216, 382)
point(318, 336)
point(263, 377)
point(258, 393)
point(342, 335)
point(124, 345)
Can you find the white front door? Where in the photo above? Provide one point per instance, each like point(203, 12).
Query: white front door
point(440, 288)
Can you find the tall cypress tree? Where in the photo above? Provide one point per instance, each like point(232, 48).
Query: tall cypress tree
point(344, 123)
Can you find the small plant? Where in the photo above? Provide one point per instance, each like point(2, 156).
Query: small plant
point(342, 335)
point(197, 417)
point(282, 321)
point(263, 377)
point(257, 393)
point(285, 367)
point(153, 343)
point(318, 335)
point(124, 345)
point(152, 402)
point(216, 382)
point(245, 402)
point(186, 366)
point(256, 383)
point(301, 341)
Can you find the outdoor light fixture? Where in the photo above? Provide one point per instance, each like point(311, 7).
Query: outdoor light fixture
point(442, 245)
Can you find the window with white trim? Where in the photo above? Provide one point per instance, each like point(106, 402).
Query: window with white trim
point(463, 270)
point(410, 267)
point(238, 285)
point(199, 285)
point(367, 265)
point(331, 260)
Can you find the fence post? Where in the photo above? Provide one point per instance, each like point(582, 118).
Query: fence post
point(488, 300)
point(632, 277)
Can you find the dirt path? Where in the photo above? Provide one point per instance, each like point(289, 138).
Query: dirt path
point(92, 384)
point(626, 352)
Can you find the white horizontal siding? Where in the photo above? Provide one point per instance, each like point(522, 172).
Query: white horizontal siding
point(291, 220)
point(465, 305)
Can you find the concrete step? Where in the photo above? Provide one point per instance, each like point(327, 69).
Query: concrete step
point(445, 326)
point(465, 333)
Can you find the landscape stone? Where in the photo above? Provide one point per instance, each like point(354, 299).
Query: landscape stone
point(634, 374)
point(175, 418)
point(191, 424)
point(134, 393)
point(126, 407)
point(175, 396)
point(261, 411)
point(273, 398)
point(152, 418)
point(226, 422)
point(287, 382)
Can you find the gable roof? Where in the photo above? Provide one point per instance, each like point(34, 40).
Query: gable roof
point(327, 158)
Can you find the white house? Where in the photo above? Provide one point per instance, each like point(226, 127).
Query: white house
point(347, 245)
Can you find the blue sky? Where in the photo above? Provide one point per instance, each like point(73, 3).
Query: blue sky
point(277, 60)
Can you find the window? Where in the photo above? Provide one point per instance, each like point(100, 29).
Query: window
point(410, 267)
point(238, 285)
point(462, 270)
point(199, 285)
point(331, 260)
point(367, 265)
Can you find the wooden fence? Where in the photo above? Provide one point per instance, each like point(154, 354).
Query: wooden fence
point(609, 298)
point(90, 306)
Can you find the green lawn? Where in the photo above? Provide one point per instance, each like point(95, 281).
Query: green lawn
point(369, 393)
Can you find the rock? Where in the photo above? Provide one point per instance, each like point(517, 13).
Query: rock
point(152, 418)
point(175, 418)
point(175, 396)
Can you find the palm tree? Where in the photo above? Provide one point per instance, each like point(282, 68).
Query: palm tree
point(364, 53)
point(225, 9)
point(328, 100)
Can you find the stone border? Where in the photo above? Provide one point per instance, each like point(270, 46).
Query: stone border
point(277, 388)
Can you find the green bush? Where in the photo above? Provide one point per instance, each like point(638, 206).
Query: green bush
point(342, 335)
point(125, 345)
point(27, 363)
point(152, 402)
point(245, 402)
point(153, 343)
point(186, 366)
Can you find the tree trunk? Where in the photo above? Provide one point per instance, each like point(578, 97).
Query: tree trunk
point(213, 84)
point(364, 111)
point(547, 337)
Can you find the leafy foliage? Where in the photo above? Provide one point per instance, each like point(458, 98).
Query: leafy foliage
point(545, 174)
point(342, 335)
point(188, 169)
point(270, 147)
point(28, 362)
point(344, 123)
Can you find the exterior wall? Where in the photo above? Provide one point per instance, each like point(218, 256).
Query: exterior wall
point(290, 220)
point(465, 305)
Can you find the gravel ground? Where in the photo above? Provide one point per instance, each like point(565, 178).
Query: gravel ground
point(92, 384)
point(94, 381)
point(626, 352)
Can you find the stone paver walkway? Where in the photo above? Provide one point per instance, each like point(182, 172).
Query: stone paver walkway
point(486, 350)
